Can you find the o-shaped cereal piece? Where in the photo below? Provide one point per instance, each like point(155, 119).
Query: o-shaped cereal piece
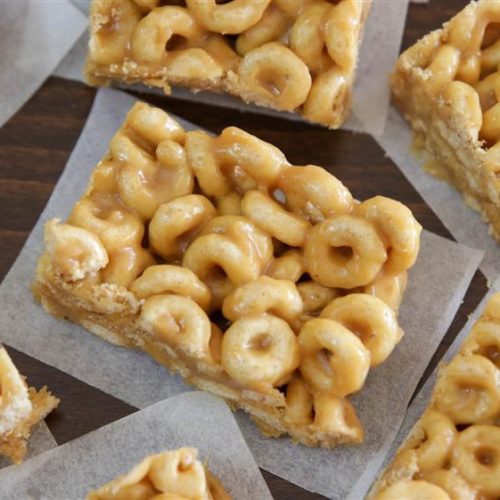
point(277, 297)
point(180, 322)
point(115, 22)
point(221, 264)
point(344, 252)
point(269, 216)
point(341, 33)
point(125, 264)
point(271, 26)
point(476, 455)
point(260, 351)
point(467, 390)
point(398, 227)
point(261, 161)
point(153, 124)
point(299, 402)
point(74, 252)
point(155, 30)
point(289, 266)
point(439, 435)
point(451, 482)
point(230, 18)
point(201, 157)
point(315, 297)
point(389, 288)
point(104, 215)
point(325, 103)
point(144, 184)
point(334, 360)
point(336, 417)
point(463, 98)
point(272, 75)
point(484, 340)
point(175, 280)
point(314, 193)
point(413, 490)
point(373, 321)
point(253, 242)
point(229, 204)
point(175, 223)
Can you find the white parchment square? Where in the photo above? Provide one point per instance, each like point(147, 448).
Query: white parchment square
point(437, 285)
point(34, 37)
point(194, 419)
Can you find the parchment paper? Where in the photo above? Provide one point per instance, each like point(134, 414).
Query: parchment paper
point(462, 222)
point(41, 440)
point(419, 404)
point(380, 48)
point(437, 285)
point(194, 419)
point(34, 37)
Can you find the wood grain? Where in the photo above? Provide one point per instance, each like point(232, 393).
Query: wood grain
point(36, 143)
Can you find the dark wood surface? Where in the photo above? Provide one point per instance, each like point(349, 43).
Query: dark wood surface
point(35, 145)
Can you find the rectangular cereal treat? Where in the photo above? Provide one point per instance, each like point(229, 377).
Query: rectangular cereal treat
point(21, 407)
point(176, 474)
point(447, 85)
point(178, 227)
point(289, 55)
point(453, 451)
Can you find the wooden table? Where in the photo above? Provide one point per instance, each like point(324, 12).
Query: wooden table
point(36, 143)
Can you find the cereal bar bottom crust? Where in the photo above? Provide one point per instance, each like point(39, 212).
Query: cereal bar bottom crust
point(288, 56)
point(444, 85)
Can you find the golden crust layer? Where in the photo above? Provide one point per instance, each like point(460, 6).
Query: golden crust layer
point(453, 451)
point(173, 474)
point(295, 56)
point(310, 286)
point(21, 407)
point(447, 85)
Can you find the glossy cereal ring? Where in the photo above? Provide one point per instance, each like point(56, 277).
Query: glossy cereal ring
point(260, 351)
point(299, 402)
point(398, 227)
point(229, 204)
point(373, 321)
point(451, 482)
point(328, 95)
point(144, 183)
point(264, 295)
point(74, 252)
point(271, 26)
point(314, 193)
point(315, 297)
point(229, 18)
point(109, 43)
point(413, 490)
point(467, 390)
point(439, 436)
point(476, 456)
point(154, 31)
point(179, 322)
point(260, 161)
point(106, 216)
point(334, 360)
point(176, 222)
point(272, 218)
point(175, 280)
point(201, 157)
point(344, 252)
point(126, 263)
point(288, 266)
point(274, 76)
point(484, 340)
point(154, 125)
point(389, 288)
